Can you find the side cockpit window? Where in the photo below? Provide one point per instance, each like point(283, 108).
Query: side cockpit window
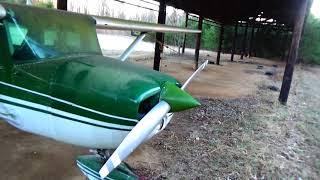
point(17, 34)
point(25, 48)
point(38, 34)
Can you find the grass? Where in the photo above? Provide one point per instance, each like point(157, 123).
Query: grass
point(245, 138)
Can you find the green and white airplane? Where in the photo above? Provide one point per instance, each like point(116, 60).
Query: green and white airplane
point(55, 82)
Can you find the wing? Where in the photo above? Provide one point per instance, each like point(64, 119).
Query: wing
point(143, 27)
point(129, 25)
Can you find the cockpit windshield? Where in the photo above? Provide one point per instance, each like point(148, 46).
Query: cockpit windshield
point(39, 34)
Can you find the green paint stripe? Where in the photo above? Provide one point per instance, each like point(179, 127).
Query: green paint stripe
point(61, 116)
point(30, 97)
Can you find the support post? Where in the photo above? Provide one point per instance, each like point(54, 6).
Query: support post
point(159, 36)
point(234, 41)
point(62, 5)
point(251, 41)
point(293, 54)
point(256, 40)
point(244, 41)
point(198, 43)
point(220, 44)
point(185, 34)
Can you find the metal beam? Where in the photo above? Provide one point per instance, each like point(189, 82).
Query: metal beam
point(159, 36)
point(288, 73)
point(185, 35)
point(130, 49)
point(206, 22)
point(234, 41)
point(198, 43)
point(220, 44)
point(62, 4)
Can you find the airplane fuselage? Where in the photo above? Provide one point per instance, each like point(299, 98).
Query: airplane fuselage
point(55, 82)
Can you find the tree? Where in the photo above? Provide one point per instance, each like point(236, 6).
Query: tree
point(104, 9)
point(310, 45)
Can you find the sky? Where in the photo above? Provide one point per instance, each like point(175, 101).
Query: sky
point(315, 9)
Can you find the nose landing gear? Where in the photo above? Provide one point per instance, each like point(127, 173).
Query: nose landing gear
point(91, 164)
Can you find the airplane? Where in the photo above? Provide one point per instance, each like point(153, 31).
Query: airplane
point(55, 82)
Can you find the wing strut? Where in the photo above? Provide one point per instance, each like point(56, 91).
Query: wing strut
point(129, 50)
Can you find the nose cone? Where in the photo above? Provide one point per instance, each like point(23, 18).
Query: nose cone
point(177, 98)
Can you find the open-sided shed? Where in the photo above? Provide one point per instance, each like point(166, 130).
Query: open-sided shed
point(288, 14)
point(230, 11)
point(285, 14)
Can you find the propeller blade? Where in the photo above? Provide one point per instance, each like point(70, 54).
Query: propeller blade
point(194, 74)
point(136, 136)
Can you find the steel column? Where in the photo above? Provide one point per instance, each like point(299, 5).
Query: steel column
point(220, 44)
point(185, 35)
point(293, 54)
point(244, 41)
point(251, 41)
point(198, 43)
point(62, 4)
point(234, 41)
point(159, 36)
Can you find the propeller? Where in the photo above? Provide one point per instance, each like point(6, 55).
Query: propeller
point(172, 98)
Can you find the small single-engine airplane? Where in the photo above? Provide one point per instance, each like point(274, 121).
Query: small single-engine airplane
point(55, 82)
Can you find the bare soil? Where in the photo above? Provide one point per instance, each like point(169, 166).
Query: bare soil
point(239, 132)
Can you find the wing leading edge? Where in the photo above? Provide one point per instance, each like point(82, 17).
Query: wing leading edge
point(121, 24)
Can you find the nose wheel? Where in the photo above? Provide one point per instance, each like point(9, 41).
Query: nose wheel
point(91, 164)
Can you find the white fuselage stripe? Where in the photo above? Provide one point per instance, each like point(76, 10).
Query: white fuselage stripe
point(63, 113)
point(67, 102)
point(61, 128)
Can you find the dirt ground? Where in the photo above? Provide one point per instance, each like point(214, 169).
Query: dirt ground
point(239, 132)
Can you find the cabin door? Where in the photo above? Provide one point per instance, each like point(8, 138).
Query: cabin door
point(5, 55)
